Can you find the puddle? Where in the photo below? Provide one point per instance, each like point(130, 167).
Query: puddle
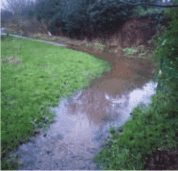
point(83, 119)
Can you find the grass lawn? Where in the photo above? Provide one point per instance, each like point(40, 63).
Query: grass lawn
point(35, 76)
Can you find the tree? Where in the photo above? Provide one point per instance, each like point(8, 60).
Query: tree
point(148, 3)
point(16, 6)
point(5, 15)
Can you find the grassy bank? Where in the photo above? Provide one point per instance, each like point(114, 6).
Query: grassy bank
point(151, 130)
point(34, 76)
point(150, 140)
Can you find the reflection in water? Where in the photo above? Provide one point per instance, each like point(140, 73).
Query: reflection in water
point(82, 121)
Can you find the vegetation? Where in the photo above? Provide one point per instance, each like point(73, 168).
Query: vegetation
point(23, 92)
point(5, 15)
point(25, 99)
point(155, 129)
point(150, 130)
point(87, 18)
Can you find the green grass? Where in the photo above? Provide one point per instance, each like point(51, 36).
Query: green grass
point(35, 76)
point(44, 73)
point(150, 129)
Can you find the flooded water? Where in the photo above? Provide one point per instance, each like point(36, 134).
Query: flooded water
point(83, 119)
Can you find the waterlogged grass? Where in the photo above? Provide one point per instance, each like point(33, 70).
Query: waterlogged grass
point(35, 76)
point(150, 129)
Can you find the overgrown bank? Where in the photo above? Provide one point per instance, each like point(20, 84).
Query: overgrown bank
point(150, 140)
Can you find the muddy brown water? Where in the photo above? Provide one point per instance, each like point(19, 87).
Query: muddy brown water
point(83, 119)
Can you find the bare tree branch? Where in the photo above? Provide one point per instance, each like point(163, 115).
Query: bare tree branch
point(16, 6)
point(148, 4)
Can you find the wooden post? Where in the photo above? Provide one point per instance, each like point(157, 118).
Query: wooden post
point(49, 33)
